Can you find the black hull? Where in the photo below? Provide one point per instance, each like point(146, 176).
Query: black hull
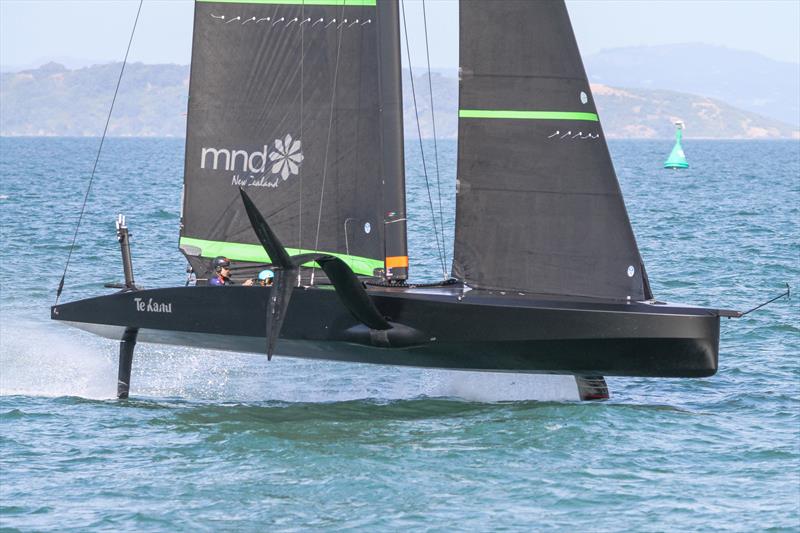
point(441, 327)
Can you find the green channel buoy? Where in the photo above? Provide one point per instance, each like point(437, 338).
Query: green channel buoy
point(677, 159)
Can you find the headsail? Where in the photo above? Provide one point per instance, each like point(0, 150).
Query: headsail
point(539, 208)
point(284, 101)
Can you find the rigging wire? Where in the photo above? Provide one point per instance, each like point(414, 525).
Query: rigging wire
point(787, 293)
point(382, 142)
point(433, 122)
point(422, 151)
point(328, 142)
point(97, 158)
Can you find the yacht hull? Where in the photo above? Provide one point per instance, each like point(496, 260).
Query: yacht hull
point(442, 327)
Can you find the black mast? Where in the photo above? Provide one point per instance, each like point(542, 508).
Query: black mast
point(393, 167)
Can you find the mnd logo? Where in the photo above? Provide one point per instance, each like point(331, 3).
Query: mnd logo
point(262, 168)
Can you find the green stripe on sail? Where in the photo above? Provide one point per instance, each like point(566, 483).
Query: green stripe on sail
point(255, 253)
point(527, 115)
point(349, 3)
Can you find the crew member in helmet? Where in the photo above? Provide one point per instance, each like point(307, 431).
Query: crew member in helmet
point(266, 277)
point(222, 273)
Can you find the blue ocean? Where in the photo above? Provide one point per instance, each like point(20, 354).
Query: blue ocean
point(213, 441)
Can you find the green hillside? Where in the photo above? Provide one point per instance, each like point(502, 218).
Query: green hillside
point(53, 100)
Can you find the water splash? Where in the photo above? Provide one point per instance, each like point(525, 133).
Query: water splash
point(499, 387)
point(40, 359)
point(37, 359)
point(216, 376)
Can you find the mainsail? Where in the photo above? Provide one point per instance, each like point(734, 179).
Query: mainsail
point(538, 206)
point(298, 102)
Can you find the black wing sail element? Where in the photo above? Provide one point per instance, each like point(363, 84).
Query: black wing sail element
point(347, 285)
point(284, 101)
point(538, 207)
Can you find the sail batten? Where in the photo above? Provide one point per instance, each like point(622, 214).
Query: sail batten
point(538, 205)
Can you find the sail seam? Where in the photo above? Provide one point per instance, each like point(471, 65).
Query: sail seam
point(302, 96)
point(328, 141)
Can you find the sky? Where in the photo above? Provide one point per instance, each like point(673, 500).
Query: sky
point(83, 32)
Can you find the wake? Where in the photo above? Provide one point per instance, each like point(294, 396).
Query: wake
point(42, 359)
point(38, 359)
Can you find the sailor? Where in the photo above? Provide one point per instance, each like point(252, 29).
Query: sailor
point(266, 277)
point(222, 273)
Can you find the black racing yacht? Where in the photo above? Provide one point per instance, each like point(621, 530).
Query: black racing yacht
point(294, 162)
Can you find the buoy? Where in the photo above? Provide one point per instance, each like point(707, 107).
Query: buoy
point(677, 159)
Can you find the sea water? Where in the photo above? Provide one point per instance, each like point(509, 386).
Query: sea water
point(224, 441)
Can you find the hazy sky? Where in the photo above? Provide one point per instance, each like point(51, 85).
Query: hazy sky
point(80, 32)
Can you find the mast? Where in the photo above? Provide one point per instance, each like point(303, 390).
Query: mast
point(393, 167)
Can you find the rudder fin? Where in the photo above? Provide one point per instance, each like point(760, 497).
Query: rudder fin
point(592, 388)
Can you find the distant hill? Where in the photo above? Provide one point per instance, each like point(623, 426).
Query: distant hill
point(640, 113)
point(746, 80)
point(625, 113)
point(55, 101)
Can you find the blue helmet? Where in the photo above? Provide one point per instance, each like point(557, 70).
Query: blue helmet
point(265, 275)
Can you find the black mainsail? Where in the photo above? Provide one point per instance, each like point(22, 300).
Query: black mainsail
point(285, 100)
point(538, 206)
